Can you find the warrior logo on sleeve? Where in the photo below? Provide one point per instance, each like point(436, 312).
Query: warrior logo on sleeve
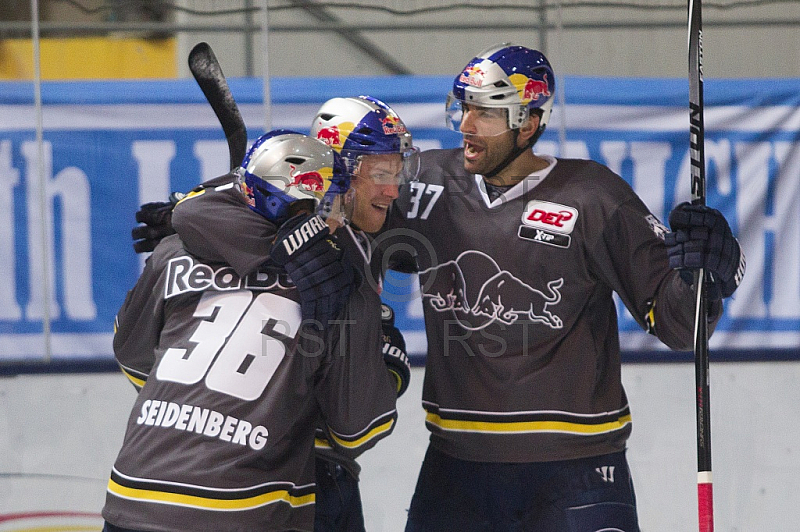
point(655, 224)
point(491, 294)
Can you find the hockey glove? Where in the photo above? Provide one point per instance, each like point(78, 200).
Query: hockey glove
point(702, 238)
point(157, 217)
point(316, 265)
point(394, 350)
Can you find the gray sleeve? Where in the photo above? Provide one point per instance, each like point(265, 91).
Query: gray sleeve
point(674, 313)
point(216, 225)
point(357, 395)
point(138, 324)
point(632, 259)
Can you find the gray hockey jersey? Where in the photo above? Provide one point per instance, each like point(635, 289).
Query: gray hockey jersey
point(233, 386)
point(205, 221)
point(523, 361)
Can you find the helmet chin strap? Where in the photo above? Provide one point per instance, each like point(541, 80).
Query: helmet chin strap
point(516, 152)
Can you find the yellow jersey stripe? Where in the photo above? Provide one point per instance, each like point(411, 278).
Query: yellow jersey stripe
point(192, 194)
point(135, 380)
point(526, 426)
point(352, 444)
point(650, 319)
point(321, 443)
point(208, 503)
point(398, 378)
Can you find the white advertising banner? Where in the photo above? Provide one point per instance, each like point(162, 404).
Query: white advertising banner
point(67, 206)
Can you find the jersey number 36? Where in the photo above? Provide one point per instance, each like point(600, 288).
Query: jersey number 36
point(239, 348)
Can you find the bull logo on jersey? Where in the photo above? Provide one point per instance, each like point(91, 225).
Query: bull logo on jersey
point(498, 299)
point(490, 294)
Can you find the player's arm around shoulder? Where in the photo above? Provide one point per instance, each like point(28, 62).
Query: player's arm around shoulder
point(215, 224)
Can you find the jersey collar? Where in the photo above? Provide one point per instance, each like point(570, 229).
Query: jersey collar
point(526, 184)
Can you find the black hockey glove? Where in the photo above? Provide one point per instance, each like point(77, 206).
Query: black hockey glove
point(157, 217)
point(316, 265)
point(702, 238)
point(394, 350)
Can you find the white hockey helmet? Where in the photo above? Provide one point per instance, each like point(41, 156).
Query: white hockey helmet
point(360, 126)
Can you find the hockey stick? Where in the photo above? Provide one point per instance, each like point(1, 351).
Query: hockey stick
point(208, 74)
point(705, 502)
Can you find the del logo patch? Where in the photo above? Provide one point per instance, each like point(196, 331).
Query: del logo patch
point(548, 223)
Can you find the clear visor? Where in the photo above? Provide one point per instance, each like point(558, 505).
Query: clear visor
point(388, 168)
point(337, 209)
point(470, 119)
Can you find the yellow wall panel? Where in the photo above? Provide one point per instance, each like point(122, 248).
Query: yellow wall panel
point(90, 58)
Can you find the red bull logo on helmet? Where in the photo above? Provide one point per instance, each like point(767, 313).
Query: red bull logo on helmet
point(311, 181)
point(472, 75)
point(393, 126)
point(330, 136)
point(534, 88)
point(248, 194)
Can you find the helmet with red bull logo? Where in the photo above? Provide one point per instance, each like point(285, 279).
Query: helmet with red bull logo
point(505, 76)
point(361, 126)
point(283, 167)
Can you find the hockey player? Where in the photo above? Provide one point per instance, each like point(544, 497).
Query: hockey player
point(524, 399)
point(379, 151)
point(232, 381)
point(528, 416)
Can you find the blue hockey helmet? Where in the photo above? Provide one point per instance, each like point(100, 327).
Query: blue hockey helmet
point(283, 167)
point(505, 76)
point(365, 126)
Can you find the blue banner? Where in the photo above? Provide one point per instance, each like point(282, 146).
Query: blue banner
point(67, 206)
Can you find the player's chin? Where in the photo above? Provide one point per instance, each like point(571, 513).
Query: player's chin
point(473, 166)
point(375, 220)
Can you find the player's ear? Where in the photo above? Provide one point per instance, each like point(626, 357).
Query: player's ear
point(528, 129)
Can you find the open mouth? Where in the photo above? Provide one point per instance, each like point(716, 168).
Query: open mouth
point(472, 151)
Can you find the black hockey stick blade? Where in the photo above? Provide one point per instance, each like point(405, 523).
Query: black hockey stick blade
point(207, 72)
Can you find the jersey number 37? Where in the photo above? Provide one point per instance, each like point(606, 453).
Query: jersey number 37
point(422, 199)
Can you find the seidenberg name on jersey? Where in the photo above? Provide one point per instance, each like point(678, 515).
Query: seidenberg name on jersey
point(203, 421)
